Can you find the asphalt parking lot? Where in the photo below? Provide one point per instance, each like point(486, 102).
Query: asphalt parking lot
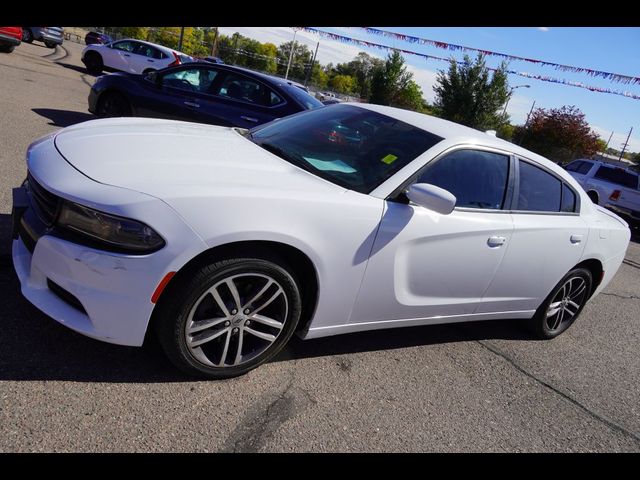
point(484, 386)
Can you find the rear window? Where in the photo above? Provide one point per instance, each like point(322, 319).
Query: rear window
point(617, 176)
point(303, 97)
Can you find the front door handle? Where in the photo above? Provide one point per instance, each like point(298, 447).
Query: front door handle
point(249, 119)
point(192, 104)
point(496, 241)
point(576, 238)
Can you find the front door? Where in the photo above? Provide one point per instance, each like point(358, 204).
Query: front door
point(425, 265)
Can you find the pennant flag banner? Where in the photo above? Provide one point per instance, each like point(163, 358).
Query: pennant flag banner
point(616, 77)
point(363, 43)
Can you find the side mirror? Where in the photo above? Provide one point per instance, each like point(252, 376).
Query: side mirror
point(152, 77)
point(432, 197)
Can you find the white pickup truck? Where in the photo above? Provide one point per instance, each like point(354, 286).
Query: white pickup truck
point(610, 186)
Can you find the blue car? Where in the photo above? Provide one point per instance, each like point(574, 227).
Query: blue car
point(199, 92)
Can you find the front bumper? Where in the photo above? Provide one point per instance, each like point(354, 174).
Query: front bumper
point(46, 36)
point(104, 295)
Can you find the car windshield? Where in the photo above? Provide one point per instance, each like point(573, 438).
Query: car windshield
point(353, 147)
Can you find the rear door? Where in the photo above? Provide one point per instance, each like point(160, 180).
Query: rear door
point(548, 240)
point(118, 55)
point(145, 57)
point(241, 101)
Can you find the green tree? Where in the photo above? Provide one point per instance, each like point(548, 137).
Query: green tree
point(301, 56)
point(561, 134)
point(343, 83)
point(469, 95)
point(393, 85)
point(361, 68)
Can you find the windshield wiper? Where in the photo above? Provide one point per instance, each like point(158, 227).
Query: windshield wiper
point(289, 157)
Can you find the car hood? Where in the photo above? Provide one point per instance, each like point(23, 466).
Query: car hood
point(164, 158)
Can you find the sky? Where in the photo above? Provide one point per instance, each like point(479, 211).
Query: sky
point(611, 49)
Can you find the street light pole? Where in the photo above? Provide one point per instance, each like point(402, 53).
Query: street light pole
point(509, 96)
point(293, 46)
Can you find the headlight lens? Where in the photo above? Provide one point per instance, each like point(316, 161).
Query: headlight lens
point(122, 233)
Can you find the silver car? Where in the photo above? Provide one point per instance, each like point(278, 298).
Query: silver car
point(51, 36)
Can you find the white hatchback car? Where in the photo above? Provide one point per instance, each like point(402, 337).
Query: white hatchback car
point(131, 56)
point(224, 242)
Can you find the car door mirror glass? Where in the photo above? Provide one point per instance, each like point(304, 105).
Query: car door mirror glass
point(434, 198)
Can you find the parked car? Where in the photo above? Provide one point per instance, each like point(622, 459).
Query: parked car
point(211, 59)
point(10, 38)
point(322, 96)
point(50, 36)
point(131, 56)
point(614, 187)
point(225, 242)
point(199, 92)
point(93, 38)
point(331, 101)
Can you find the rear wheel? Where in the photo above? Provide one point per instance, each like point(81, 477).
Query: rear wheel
point(113, 104)
point(593, 196)
point(228, 317)
point(563, 305)
point(50, 44)
point(93, 62)
point(7, 48)
point(27, 36)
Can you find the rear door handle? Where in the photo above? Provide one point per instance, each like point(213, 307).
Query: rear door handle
point(576, 238)
point(496, 241)
point(192, 104)
point(249, 119)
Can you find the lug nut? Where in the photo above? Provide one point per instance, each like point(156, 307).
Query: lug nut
point(248, 322)
point(246, 311)
point(227, 323)
point(234, 311)
point(235, 330)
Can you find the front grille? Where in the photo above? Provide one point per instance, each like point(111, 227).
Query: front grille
point(44, 202)
point(65, 296)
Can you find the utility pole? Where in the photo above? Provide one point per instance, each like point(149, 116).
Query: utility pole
point(306, 80)
point(181, 37)
point(524, 128)
point(293, 46)
point(624, 145)
point(235, 47)
point(213, 46)
point(607, 145)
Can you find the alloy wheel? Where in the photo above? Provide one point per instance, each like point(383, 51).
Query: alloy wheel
point(566, 303)
point(236, 320)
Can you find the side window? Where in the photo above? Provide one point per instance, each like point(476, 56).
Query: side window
point(274, 99)
point(145, 50)
point(539, 191)
point(190, 79)
point(242, 88)
point(584, 168)
point(574, 166)
point(568, 199)
point(125, 46)
point(477, 179)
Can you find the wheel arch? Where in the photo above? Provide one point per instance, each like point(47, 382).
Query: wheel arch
point(594, 196)
point(596, 269)
point(299, 263)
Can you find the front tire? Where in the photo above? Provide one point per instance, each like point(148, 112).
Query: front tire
point(7, 48)
point(228, 317)
point(113, 104)
point(94, 63)
point(50, 44)
point(563, 305)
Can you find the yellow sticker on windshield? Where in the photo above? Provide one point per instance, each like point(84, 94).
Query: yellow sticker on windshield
point(389, 159)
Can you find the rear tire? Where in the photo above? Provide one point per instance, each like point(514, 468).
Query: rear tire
point(593, 196)
point(7, 48)
point(50, 44)
point(225, 337)
point(27, 36)
point(113, 104)
point(563, 305)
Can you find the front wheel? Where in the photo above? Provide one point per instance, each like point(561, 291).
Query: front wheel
point(228, 317)
point(113, 104)
point(7, 48)
point(563, 305)
point(50, 44)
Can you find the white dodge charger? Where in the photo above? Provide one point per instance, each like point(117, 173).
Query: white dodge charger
point(223, 242)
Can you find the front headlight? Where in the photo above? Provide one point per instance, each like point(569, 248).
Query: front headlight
point(110, 231)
